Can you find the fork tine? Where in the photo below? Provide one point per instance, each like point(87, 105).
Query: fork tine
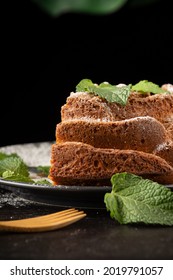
point(56, 214)
point(55, 219)
point(44, 223)
point(42, 219)
point(60, 223)
point(44, 227)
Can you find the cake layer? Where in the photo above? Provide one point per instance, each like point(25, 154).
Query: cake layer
point(82, 164)
point(165, 150)
point(84, 105)
point(140, 133)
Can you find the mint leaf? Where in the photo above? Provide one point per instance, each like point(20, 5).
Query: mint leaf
point(84, 85)
point(146, 86)
point(137, 200)
point(56, 7)
point(43, 170)
point(43, 182)
point(111, 93)
point(15, 165)
point(115, 93)
point(4, 155)
point(9, 175)
point(13, 168)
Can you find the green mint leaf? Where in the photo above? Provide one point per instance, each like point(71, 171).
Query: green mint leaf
point(43, 170)
point(111, 93)
point(84, 85)
point(8, 175)
point(114, 94)
point(4, 155)
point(56, 7)
point(43, 182)
point(146, 86)
point(137, 200)
point(13, 168)
point(13, 165)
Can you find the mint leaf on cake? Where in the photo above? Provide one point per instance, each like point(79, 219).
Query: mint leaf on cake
point(118, 93)
point(112, 93)
point(146, 86)
point(137, 200)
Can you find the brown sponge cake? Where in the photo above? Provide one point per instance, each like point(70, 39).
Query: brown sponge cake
point(83, 105)
point(96, 138)
point(79, 163)
point(140, 133)
point(165, 150)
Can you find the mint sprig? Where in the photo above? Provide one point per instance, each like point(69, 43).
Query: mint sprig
point(111, 93)
point(43, 170)
point(4, 155)
point(14, 165)
point(146, 86)
point(13, 168)
point(43, 182)
point(118, 94)
point(137, 200)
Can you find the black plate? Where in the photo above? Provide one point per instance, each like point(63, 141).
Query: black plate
point(68, 196)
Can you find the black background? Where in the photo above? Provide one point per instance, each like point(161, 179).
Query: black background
point(43, 59)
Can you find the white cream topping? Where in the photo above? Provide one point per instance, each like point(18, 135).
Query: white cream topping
point(161, 147)
point(168, 87)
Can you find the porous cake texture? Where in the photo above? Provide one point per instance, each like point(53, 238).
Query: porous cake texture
point(96, 139)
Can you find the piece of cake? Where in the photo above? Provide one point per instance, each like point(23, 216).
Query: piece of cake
point(97, 138)
point(83, 105)
point(82, 164)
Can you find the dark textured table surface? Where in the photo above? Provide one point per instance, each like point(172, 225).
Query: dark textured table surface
point(96, 236)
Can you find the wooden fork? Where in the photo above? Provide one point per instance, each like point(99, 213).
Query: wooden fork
point(43, 223)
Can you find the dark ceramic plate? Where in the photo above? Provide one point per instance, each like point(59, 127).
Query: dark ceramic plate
point(69, 196)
